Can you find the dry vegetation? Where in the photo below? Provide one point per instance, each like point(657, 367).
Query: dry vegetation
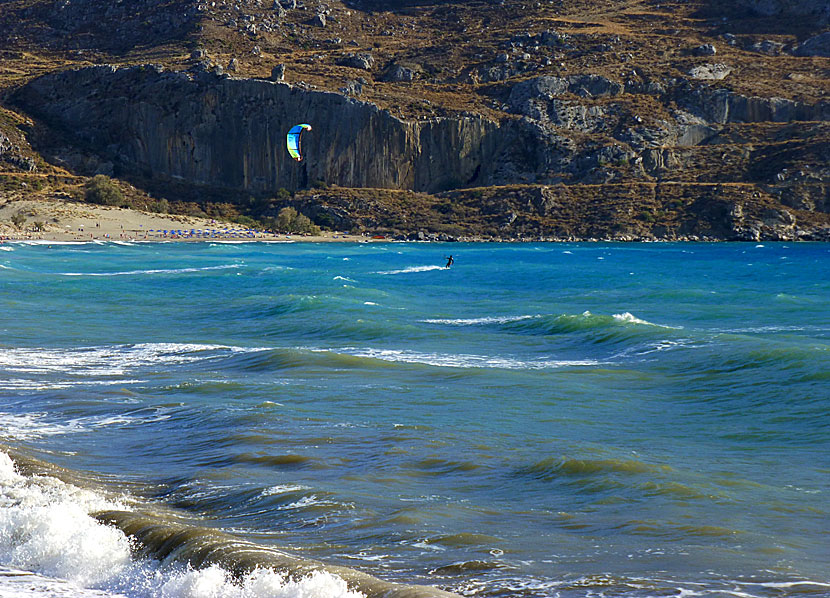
point(454, 52)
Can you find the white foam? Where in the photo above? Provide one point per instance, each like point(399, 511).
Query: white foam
point(306, 501)
point(114, 360)
point(629, 318)
point(51, 547)
point(477, 321)
point(282, 489)
point(45, 528)
point(29, 426)
point(344, 278)
point(6, 248)
point(45, 242)
point(15, 583)
point(21, 384)
point(32, 425)
point(159, 271)
point(461, 360)
point(412, 269)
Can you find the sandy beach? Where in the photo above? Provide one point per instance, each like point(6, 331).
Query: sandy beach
point(65, 221)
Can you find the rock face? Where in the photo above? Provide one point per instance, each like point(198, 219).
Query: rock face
point(816, 9)
point(230, 133)
point(815, 46)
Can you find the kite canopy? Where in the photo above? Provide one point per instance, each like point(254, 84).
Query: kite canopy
point(292, 140)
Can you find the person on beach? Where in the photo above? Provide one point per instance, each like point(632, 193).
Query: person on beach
point(449, 261)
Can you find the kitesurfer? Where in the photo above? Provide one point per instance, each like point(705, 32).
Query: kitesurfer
point(449, 261)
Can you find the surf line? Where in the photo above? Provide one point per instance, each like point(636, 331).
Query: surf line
point(202, 547)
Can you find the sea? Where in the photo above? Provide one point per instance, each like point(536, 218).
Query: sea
point(210, 420)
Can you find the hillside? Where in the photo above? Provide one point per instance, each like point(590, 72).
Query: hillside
point(504, 119)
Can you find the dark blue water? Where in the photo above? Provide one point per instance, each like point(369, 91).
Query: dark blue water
point(538, 420)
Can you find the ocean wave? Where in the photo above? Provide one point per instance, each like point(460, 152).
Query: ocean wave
point(477, 321)
point(59, 530)
point(411, 270)
point(552, 468)
point(33, 425)
point(157, 271)
point(15, 384)
point(553, 324)
point(115, 360)
point(460, 360)
point(30, 426)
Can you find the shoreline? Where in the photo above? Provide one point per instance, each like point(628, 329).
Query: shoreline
point(60, 221)
point(67, 222)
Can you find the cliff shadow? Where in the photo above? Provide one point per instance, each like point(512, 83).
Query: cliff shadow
point(774, 18)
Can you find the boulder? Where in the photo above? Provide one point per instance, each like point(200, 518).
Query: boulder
point(705, 50)
point(278, 73)
point(710, 72)
point(363, 60)
point(400, 73)
point(319, 20)
point(548, 87)
point(769, 47)
point(352, 88)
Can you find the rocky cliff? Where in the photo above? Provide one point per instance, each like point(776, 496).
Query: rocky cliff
point(226, 132)
point(437, 96)
point(218, 131)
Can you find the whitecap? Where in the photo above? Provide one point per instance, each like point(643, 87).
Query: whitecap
point(477, 321)
point(49, 541)
point(412, 269)
point(158, 271)
point(114, 360)
point(30, 426)
point(282, 489)
point(343, 278)
point(461, 360)
point(629, 318)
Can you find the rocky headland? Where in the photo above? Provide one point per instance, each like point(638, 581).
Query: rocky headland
point(561, 120)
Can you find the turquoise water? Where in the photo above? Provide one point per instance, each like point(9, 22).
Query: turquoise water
point(538, 420)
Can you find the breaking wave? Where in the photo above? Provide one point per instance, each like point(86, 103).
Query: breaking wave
point(58, 530)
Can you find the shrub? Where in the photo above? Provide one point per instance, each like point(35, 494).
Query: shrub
point(285, 218)
point(161, 206)
point(290, 221)
point(101, 190)
point(19, 220)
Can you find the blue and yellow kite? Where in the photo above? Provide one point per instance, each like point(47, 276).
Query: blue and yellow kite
point(292, 140)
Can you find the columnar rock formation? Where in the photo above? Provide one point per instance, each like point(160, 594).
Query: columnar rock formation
point(230, 133)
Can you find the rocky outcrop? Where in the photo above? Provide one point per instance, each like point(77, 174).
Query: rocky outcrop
point(818, 45)
point(719, 105)
point(710, 72)
point(230, 133)
point(814, 9)
point(199, 128)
